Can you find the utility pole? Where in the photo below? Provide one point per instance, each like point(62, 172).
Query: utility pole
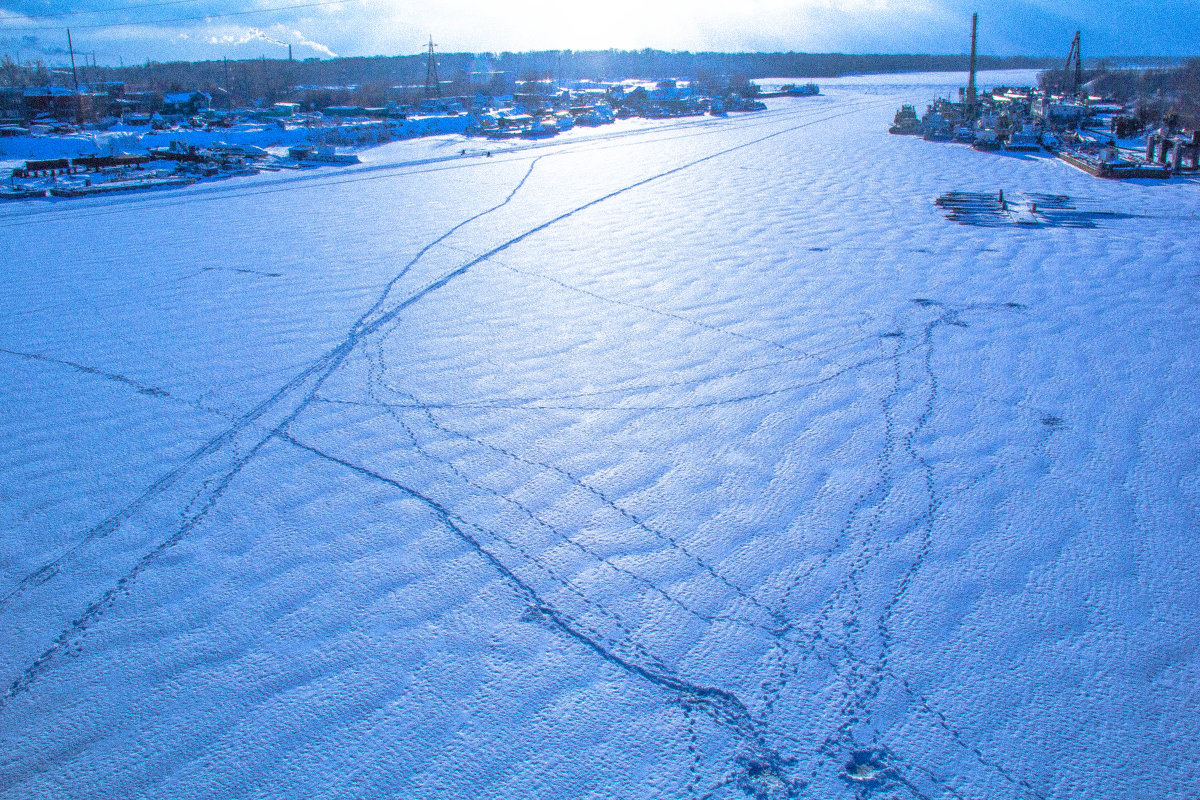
point(228, 88)
point(971, 78)
point(289, 52)
point(433, 87)
point(75, 77)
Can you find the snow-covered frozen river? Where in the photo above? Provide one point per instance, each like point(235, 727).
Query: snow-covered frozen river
point(704, 459)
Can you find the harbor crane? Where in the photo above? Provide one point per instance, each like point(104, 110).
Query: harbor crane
point(971, 99)
point(1074, 71)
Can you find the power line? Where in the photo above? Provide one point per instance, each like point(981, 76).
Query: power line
point(185, 19)
point(60, 14)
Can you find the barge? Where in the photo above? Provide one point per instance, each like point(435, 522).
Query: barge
point(1109, 167)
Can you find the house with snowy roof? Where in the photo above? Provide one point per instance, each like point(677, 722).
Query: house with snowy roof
point(185, 104)
point(55, 102)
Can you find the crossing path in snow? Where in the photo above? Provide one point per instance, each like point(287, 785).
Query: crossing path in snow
point(705, 461)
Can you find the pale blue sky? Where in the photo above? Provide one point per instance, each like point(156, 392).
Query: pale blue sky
point(134, 30)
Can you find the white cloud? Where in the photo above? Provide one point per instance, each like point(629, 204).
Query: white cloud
point(244, 37)
point(279, 34)
point(298, 38)
point(395, 27)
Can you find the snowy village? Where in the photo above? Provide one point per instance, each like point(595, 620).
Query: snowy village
point(104, 137)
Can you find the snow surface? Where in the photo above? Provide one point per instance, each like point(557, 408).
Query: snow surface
point(707, 460)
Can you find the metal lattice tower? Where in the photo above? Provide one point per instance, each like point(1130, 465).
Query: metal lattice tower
point(1074, 56)
point(433, 87)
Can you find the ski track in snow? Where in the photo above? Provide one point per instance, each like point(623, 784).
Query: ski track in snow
point(366, 325)
point(775, 647)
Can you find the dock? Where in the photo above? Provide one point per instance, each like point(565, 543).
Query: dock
point(119, 186)
point(1113, 169)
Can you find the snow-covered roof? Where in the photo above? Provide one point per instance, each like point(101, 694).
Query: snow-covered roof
point(182, 97)
point(48, 91)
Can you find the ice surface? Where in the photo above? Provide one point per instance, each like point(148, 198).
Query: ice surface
point(695, 460)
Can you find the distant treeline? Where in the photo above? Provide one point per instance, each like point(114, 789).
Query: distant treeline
point(658, 64)
point(267, 79)
point(1157, 95)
